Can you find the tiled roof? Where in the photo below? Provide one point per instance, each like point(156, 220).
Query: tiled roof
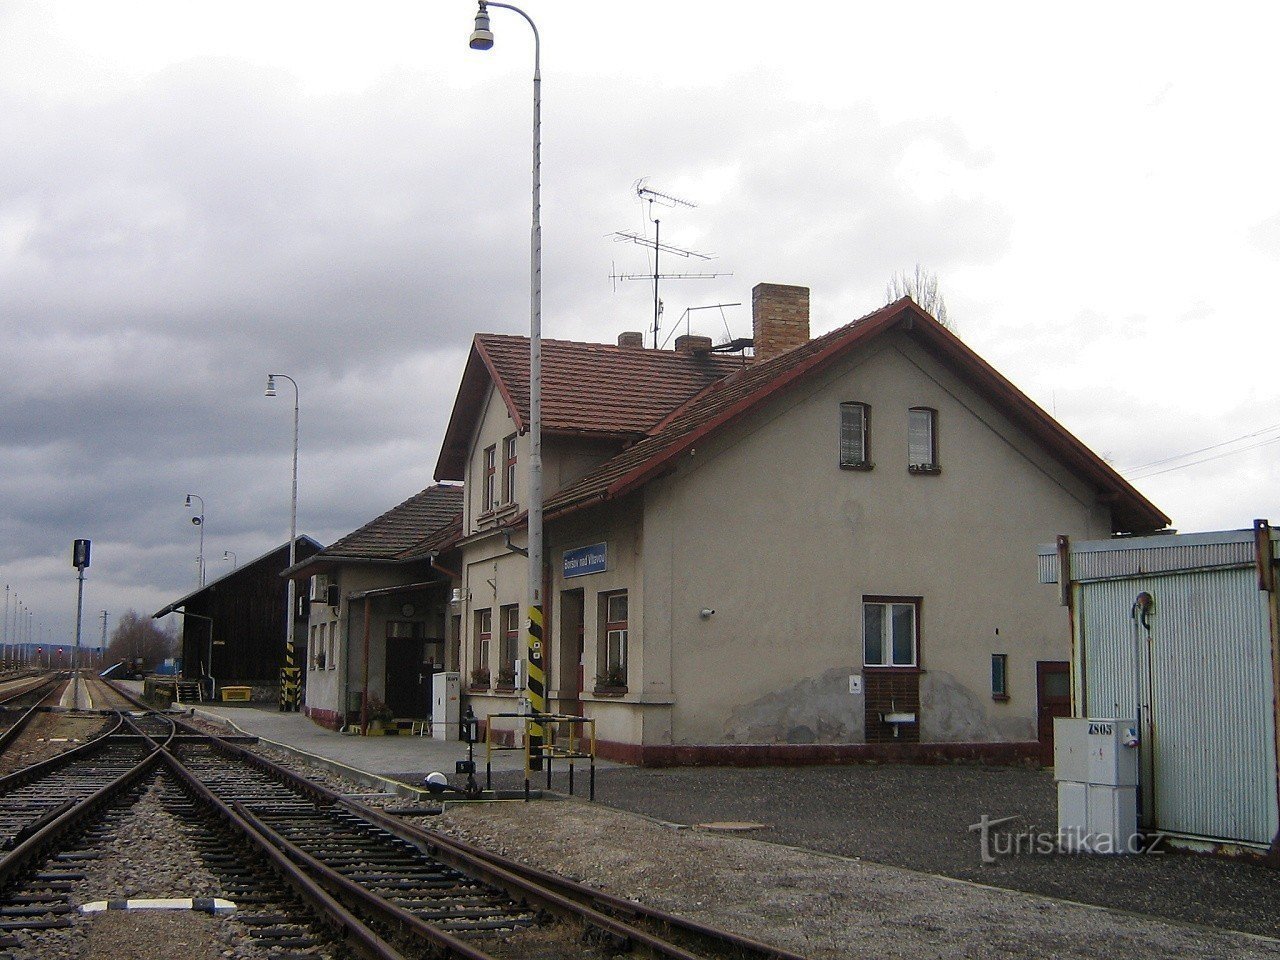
point(747, 389)
point(404, 532)
point(593, 389)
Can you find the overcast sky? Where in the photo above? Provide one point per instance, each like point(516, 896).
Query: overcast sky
point(193, 195)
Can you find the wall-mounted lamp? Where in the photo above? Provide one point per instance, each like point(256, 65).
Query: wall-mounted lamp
point(706, 613)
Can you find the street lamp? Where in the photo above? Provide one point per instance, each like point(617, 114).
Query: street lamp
point(198, 521)
point(482, 39)
point(230, 555)
point(289, 688)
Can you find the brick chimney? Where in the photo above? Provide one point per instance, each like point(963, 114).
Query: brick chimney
point(779, 318)
point(693, 344)
point(632, 338)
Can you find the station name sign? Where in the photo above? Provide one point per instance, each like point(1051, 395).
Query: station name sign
point(584, 560)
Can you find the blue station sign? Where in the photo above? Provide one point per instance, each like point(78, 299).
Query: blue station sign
point(584, 560)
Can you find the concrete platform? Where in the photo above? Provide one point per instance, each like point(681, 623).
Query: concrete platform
point(385, 764)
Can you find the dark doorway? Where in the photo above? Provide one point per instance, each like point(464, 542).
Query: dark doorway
point(572, 614)
point(1053, 699)
point(411, 663)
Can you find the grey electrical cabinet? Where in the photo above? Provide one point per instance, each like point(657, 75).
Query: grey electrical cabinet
point(1095, 761)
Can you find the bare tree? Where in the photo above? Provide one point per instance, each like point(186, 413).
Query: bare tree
point(923, 289)
point(141, 638)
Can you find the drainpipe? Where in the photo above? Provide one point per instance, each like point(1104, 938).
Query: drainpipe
point(364, 697)
point(344, 665)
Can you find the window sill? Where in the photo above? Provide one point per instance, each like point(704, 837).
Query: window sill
point(924, 469)
point(609, 692)
point(881, 668)
point(1000, 697)
point(478, 688)
point(865, 466)
point(505, 688)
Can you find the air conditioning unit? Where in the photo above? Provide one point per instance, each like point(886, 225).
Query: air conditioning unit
point(319, 588)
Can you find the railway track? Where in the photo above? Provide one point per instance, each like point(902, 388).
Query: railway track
point(385, 888)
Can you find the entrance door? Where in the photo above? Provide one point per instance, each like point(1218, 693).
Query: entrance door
point(1053, 699)
point(408, 686)
point(572, 614)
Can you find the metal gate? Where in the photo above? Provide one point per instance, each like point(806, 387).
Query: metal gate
point(1201, 668)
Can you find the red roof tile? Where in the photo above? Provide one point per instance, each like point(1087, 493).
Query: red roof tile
point(404, 532)
point(747, 389)
point(587, 388)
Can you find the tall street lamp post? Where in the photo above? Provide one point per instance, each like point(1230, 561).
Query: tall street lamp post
point(535, 680)
point(198, 520)
point(289, 679)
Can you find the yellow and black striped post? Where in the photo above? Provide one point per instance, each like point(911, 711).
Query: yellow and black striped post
point(288, 682)
point(535, 678)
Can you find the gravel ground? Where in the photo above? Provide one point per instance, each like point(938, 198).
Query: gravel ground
point(148, 855)
point(47, 735)
point(829, 899)
point(918, 817)
point(819, 905)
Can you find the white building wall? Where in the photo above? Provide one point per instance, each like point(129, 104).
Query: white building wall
point(761, 525)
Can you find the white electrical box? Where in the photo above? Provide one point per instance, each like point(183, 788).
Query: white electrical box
point(446, 696)
point(1095, 762)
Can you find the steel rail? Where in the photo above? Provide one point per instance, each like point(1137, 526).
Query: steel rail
point(605, 902)
point(349, 927)
point(51, 828)
point(557, 894)
point(15, 729)
point(516, 886)
point(37, 770)
point(42, 681)
point(370, 900)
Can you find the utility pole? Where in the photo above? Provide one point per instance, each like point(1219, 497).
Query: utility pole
point(103, 648)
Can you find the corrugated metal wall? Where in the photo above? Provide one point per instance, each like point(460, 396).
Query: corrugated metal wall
point(1211, 756)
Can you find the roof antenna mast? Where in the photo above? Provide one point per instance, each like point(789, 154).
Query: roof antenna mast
point(651, 196)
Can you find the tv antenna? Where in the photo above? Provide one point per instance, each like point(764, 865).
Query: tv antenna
point(651, 196)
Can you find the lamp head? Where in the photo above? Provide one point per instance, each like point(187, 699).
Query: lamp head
point(482, 36)
point(271, 385)
point(188, 499)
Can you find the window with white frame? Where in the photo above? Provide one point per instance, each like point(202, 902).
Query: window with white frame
point(489, 496)
point(922, 440)
point(313, 647)
point(891, 631)
point(331, 661)
point(612, 654)
point(509, 469)
point(855, 440)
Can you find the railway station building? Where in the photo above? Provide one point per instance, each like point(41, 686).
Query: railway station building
point(380, 625)
point(815, 551)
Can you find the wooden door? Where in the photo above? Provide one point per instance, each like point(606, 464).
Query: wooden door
point(408, 689)
point(1053, 699)
point(572, 615)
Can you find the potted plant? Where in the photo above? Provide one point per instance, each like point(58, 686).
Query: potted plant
point(379, 715)
point(480, 678)
point(613, 682)
point(507, 678)
point(320, 660)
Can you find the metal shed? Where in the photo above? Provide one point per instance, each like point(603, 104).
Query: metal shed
point(1186, 627)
